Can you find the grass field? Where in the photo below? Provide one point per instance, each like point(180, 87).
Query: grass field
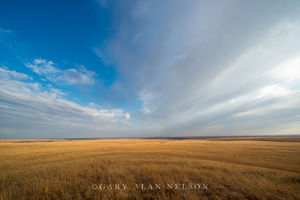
point(258, 168)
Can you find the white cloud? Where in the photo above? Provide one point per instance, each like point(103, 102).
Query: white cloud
point(69, 76)
point(5, 73)
point(42, 67)
point(273, 91)
point(28, 106)
point(200, 68)
point(288, 70)
point(127, 116)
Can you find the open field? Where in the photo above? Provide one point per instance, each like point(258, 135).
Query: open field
point(231, 169)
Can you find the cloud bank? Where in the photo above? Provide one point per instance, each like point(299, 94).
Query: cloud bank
point(29, 109)
point(210, 67)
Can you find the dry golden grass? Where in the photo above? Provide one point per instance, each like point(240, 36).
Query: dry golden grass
point(62, 169)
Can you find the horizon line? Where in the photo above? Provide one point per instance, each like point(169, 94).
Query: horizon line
point(159, 137)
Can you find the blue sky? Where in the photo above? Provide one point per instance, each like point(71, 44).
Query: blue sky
point(149, 68)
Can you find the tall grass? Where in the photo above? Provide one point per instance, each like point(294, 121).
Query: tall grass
point(63, 169)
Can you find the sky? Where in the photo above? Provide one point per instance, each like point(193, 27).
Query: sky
point(145, 68)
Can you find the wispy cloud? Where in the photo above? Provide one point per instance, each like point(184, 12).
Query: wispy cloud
point(48, 69)
point(5, 73)
point(197, 71)
point(45, 112)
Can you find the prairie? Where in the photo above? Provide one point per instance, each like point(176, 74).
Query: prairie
point(236, 168)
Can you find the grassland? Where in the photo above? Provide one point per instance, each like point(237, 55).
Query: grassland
point(232, 169)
